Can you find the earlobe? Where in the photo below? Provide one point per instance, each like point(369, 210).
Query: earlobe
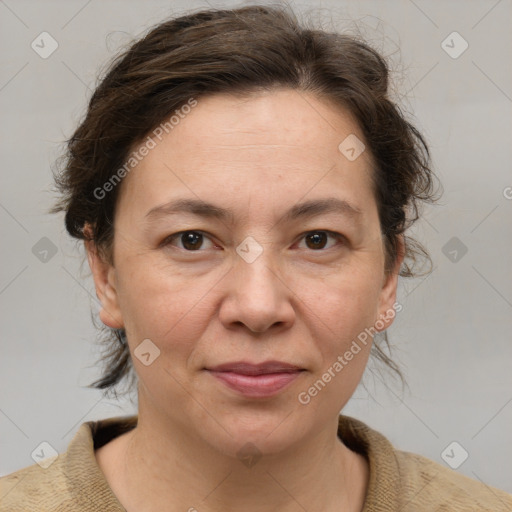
point(104, 282)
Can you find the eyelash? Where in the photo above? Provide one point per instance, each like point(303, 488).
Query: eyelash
point(338, 236)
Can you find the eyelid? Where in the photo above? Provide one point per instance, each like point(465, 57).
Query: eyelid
point(333, 234)
point(167, 240)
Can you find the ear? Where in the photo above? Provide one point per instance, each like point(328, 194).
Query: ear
point(388, 307)
point(104, 280)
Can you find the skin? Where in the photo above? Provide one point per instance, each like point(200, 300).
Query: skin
point(298, 302)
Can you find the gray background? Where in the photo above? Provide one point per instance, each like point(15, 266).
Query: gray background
point(453, 336)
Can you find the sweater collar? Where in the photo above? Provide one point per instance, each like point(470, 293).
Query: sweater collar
point(91, 490)
point(383, 491)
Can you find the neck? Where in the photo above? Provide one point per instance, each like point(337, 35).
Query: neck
point(165, 467)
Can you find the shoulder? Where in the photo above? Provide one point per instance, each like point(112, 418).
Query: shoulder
point(410, 482)
point(71, 481)
point(35, 488)
point(435, 487)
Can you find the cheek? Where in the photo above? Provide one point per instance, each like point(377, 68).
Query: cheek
point(174, 308)
point(163, 307)
point(344, 305)
point(342, 344)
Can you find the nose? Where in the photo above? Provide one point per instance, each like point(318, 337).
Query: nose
point(257, 297)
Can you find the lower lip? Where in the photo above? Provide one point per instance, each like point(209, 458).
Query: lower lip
point(256, 386)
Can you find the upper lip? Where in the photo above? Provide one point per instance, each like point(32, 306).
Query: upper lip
point(245, 368)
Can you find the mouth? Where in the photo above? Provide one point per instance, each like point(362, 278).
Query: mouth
point(261, 380)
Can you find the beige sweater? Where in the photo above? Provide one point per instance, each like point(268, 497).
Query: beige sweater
point(399, 481)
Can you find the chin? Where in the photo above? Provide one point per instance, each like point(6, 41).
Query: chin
point(269, 430)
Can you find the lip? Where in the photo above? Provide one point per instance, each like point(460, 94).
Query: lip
point(245, 368)
point(261, 380)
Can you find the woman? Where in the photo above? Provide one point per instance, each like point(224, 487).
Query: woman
point(243, 186)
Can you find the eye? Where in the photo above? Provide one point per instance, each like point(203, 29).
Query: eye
point(316, 240)
point(191, 240)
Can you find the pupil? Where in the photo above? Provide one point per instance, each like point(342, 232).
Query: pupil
point(192, 239)
point(316, 238)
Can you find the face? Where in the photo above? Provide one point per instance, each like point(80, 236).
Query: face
point(257, 276)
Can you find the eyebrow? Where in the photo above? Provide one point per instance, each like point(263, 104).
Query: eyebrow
point(302, 210)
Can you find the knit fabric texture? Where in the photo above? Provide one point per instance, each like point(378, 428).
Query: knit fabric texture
point(399, 481)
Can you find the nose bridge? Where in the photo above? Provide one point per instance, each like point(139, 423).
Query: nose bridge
point(257, 296)
point(257, 272)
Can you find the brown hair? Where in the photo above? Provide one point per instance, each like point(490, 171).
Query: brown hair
point(239, 51)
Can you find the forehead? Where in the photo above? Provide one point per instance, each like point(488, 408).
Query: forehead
point(279, 145)
point(266, 119)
